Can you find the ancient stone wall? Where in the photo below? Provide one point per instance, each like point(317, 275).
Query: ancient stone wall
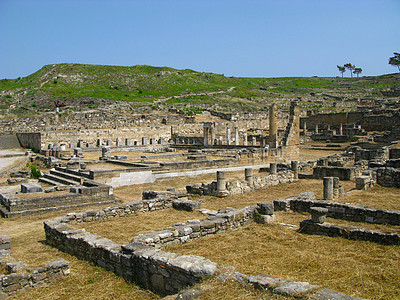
point(349, 232)
point(388, 177)
point(339, 210)
point(12, 205)
point(52, 271)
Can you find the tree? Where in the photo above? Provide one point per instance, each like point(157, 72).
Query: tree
point(395, 60)
point(350, 67)
point(357, 71)
point(341, 69)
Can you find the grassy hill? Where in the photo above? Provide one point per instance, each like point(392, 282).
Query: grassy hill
point(89, 86)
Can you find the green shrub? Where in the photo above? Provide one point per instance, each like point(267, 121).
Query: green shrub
point(35, 172)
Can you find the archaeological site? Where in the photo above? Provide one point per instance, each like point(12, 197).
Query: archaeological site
point(155, 183)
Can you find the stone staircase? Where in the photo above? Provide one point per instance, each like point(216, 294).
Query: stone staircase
point(59, 176)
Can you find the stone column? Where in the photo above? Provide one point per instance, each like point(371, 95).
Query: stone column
point(105, 152)
point(205, 134)
point(328, 188)
point(161, 141)
point(244, 139)
point(305, 128)
point(109, 143)
point(99, 142)
point(295, 168)
point(316, 128)
point(273, 168)
point(144, 141)
point(118, 142)
point(248, 175)
point(212, 133)
point(253, 141)
point(318, 214)
point(228, 136)
point(221, 185)
point(152, 141)
point(341, 129)
point(236, 136)
point(273, 126)
point(336, 185)
point(80, 144)
point(128, 142)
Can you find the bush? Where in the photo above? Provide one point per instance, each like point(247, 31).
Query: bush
point(35, 172)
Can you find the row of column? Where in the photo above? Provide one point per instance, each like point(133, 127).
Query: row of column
point(248, 175)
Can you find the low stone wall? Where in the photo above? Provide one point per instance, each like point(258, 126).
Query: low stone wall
point(341, 172)
point(139, 261)
point(13, 282)
point(349, 232)
point(197, 164)
point(338, 210)
point(12, 205)
point(388, 177)
point(242, 186)
point(162, 271)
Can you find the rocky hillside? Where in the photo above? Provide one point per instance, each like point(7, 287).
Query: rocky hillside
point(78, 87)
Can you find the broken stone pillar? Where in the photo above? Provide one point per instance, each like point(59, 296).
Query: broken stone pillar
point(305, 128)
point(341, 129)
point(362, 182)
point(273, 168)
point(318, 214)
point(128, 142)
point(78, 152)
point(316, 128)
point(228, 136)
point(244, 139)
point(221, 185)
point(118, 142)
point(105, 152)
point(212, 130)
point(144, 141)
point(99, 142)
point(80, 144)
point(264, 213)
point(273, 126)
point(109, 143)
point(236, 136)
point(205, 134)
point(336, 185)
point(220, 140)
point(253, 141)
point(295, 168)
point(152, 141)
point(328, 188)
point(248, 175)
point(161, 141)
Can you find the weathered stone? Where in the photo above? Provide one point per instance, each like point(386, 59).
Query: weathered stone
point(292, 288)
point(31, 188)
point(5, 242)
point(15, 267)
point(328, 188)
point(189, 295)
point(318, 214)
point(265, 208)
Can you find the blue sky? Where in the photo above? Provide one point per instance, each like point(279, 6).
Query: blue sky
point(249, 38)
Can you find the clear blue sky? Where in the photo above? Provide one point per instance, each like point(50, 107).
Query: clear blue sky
point(252, 38)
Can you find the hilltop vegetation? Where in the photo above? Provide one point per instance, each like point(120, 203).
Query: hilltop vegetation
point(81, 86)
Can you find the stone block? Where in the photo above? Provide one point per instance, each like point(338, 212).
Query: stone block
point(15, 267)
point(187, 205)
point(5, 242)
point(31, 188)
point(265, 208)
point(293, 288)
point(189, 295)
point(318, 214)
point(281, 204)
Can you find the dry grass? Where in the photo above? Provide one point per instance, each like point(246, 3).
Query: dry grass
point(376, 197)
point(357, 268)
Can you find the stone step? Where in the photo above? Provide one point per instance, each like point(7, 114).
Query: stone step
point(65, 175)
point(49, 181)
point(60, 180)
